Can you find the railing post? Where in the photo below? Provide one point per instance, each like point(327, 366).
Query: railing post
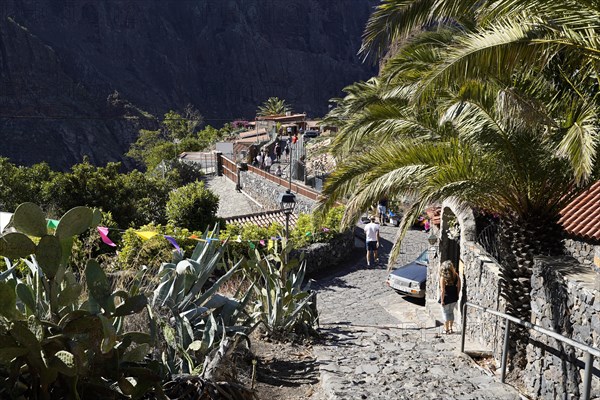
point(505, 351)
point(463, 328)
point(219, 157)
point(587, 375)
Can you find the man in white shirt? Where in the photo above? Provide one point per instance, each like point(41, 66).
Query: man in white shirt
point(372, 240)
point(268, 163)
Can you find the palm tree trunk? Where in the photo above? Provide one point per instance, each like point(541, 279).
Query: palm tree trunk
point(521, 239)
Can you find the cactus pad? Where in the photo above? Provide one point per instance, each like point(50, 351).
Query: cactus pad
point(30, 219)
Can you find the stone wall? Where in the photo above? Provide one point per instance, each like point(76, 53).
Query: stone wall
point(321, 256)
point(564, 300)
point(581, 251)
point(267, 193)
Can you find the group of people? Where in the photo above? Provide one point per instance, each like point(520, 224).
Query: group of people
point(449, 280)
point(264, 161)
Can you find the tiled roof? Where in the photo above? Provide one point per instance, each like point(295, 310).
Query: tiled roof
point(253, 133)
point(581, 217)
point(254, 139)
point(263, 219)
point(283, 118)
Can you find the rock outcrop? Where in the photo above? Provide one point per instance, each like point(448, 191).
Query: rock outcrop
point(62, 63)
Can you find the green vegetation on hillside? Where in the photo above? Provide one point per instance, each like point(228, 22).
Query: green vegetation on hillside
point(179, 132)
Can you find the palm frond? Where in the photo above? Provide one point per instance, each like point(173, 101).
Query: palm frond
point(580, 141)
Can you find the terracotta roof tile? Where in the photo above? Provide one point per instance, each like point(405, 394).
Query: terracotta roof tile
point(263, 219)
point(582, 216)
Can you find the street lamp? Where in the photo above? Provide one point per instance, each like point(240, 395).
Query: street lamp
point(432, 239)
point(287, 201)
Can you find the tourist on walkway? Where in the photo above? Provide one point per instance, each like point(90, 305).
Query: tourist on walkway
point(259, 160)
point(449, 290)
point(372, 240)
point(382, 210)
point(287, 149)
point(268, 163)
point(278, 171)
point(277, 151)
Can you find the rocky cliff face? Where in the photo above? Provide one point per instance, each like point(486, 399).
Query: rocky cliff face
point(61, 62)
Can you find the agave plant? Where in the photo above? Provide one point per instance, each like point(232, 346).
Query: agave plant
point(54, 340)
point(283, 302)
point(198, 317)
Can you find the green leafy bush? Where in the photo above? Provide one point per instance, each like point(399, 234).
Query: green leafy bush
point(249, 238)
point(193, 206)
point(135, 252)
point(302, 234)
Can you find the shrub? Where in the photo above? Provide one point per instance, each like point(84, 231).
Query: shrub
point(193, 206)
point(135, 252)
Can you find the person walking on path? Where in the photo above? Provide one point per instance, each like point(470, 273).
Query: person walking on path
point(449, 290)
point(372, 241)
point(259, 160)
point(287, 149)
point(382, 210)
point(268, 163)
point(277, 151)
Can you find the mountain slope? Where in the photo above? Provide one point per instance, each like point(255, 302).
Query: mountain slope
point(61, 60)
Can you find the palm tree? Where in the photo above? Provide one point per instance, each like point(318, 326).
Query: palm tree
point(556, 39)
point(501, 145)
point(492, 102)
point(273, 106)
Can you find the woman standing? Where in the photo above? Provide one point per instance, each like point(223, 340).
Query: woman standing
point(449, 290)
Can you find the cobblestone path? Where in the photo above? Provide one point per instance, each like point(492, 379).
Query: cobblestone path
point(231, 202)
point(381, 346)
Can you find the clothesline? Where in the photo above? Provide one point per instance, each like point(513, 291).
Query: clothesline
point(146, 235)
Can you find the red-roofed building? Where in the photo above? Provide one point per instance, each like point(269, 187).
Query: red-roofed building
point(581, 221)
point(581, 218)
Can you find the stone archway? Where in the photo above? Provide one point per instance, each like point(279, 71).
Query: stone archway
point(457, 227)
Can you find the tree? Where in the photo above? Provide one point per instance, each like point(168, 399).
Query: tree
point(193, 206)
point(556, 40)
point(20, 184)
point(504, 144)
point(273, 106)
point(132, 199)
point(178, 132)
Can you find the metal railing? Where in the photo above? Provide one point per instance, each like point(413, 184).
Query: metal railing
point(590, 352)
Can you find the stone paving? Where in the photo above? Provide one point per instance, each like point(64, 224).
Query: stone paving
point(231, 202)
point(378, 345)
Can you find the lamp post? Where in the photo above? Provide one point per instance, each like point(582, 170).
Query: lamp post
point(432, 239)
point(287, 201)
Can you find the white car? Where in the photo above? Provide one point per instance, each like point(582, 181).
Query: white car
point(411, 279)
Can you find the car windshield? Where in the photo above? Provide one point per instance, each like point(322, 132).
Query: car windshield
point(423, 258)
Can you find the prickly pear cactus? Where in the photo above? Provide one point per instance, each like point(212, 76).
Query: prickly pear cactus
point(65, 343)
point(30, 220)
